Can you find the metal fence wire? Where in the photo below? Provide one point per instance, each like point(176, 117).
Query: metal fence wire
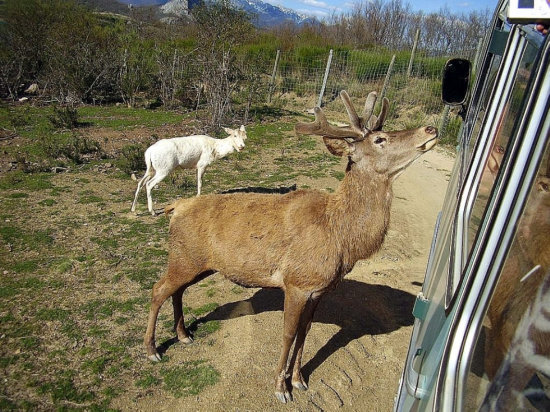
point(410, 79)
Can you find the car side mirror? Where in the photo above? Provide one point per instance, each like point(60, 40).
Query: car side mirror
point(456, 77)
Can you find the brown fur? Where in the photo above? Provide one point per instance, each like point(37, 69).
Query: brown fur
point(303, 242)
point(512, 297)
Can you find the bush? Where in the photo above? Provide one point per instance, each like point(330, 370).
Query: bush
point(73, 147)
point(451, 131)
point(132, 158)
point(64, 117)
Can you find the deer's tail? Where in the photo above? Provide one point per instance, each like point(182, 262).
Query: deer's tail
point(170, 208)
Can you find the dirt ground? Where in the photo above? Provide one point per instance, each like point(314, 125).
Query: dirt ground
point(356, 349)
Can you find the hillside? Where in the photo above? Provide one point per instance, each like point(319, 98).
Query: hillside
point(263, 14)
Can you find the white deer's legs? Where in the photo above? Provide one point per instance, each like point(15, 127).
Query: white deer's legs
point(295, 302)
point(151, 183)
point(142, 181)
point(200, 172)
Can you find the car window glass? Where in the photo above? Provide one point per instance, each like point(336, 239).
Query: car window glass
point(483, 103)
point(505, 126)
point(508, 370)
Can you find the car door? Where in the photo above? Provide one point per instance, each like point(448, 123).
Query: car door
point(493, 132)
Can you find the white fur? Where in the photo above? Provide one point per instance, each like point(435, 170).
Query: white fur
point(186, 152)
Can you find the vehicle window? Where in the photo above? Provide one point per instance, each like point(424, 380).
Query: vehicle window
point(510, 366)
point(481, 98)
point(483, 103)
point(506, 123)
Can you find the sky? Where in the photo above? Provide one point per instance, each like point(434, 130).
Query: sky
point(325, 8)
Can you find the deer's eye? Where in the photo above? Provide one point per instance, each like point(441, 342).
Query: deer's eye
point(379, 140)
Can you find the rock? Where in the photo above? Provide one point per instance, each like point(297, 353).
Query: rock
point(32, 89)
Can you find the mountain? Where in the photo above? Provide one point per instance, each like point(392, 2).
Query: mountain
point(176, 8)
point(107, 5)
point(139, 3)
point(263, 14)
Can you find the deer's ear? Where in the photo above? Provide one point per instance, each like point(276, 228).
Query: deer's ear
point(338, 147)
point(228, 130)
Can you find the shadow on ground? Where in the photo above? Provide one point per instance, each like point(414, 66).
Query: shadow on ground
point(358, 308)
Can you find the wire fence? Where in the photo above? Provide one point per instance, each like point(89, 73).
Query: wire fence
point(410, 79)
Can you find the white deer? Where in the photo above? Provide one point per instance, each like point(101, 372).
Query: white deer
point(187, 152)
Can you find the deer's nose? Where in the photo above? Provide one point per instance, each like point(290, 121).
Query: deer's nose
point(431, 130)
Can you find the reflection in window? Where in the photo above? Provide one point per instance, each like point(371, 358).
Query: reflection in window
point(502, 136)
point(484, 103)
point(511, 369)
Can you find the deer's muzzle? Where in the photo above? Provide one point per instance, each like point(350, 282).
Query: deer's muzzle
point(431, 140)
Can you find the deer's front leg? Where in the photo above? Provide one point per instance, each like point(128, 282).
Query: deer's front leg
point(295, 301)
point(303, 329)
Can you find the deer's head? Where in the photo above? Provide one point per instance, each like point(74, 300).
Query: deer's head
point(364, 142)
point(237, 136)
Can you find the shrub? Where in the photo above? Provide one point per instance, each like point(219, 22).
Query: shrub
point(132, 158)
point(73, 147)
point(451, 130)
point(64, 117)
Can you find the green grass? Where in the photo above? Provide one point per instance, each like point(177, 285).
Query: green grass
point(78, 267)
point(20, 180)
point(119, 117)
point(64, 389)
point(202, 310)
point(190, 378)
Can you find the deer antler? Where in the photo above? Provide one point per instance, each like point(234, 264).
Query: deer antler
point(321, 127)
point(359, 127)
point(376, 122)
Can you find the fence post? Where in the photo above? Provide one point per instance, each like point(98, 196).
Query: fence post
point(325, 79)
point(413, 52)
point(478, 50)
point(387, 79)
point(444, 120)
point(272, 82)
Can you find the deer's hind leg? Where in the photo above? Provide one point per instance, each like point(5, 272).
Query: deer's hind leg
point(177, 303)
point(173, 283)
point(179, 323)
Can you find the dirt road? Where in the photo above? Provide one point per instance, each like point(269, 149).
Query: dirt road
point(357, 345)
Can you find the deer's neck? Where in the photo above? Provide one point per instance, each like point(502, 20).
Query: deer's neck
point(224, 147)
point(359, 213)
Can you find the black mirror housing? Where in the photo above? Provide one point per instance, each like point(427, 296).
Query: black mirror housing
point(456, 78)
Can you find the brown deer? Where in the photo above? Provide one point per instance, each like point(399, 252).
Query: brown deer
point(527, 266)
point(303, 242)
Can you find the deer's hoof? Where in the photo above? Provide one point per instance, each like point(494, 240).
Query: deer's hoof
point(284, 397)
point(300, 385)
point(187, 340)
point(155, 357)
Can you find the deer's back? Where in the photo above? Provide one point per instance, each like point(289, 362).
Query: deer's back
point(258, 239)
point(181, 151)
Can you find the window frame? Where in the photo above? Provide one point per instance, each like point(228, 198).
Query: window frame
point(499, 97)
point(498, 230)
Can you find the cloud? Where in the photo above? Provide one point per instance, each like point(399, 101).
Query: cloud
point(315, 3)
point(320, 14)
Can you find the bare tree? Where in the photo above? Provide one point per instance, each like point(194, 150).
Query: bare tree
point(220, 29)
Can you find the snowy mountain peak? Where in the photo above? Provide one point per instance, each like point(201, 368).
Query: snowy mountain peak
point(176, 7)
